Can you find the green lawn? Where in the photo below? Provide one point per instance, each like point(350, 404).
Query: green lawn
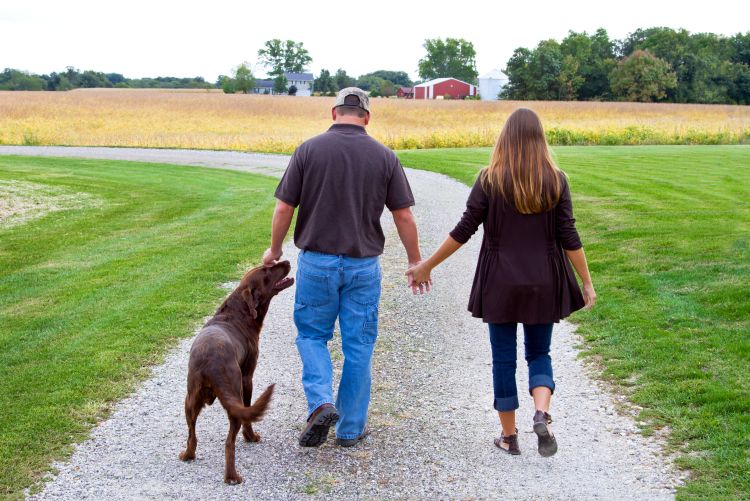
point(667, 233)
point(91, 296)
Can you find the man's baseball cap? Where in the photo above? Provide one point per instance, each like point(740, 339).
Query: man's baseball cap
point(361, 101)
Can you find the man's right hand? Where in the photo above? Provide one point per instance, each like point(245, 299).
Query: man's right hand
point(271, 257)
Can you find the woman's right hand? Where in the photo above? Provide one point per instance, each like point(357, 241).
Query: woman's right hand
point(589, 295)
point(419, 277)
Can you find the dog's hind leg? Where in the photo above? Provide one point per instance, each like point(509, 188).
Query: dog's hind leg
point(193, 406)
point(247, 397)
point(230, 471)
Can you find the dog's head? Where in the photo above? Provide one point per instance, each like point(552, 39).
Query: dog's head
point(261, 284)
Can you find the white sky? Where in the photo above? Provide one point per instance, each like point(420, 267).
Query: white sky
point(140, 38)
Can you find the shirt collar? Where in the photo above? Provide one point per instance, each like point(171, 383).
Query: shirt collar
point(348, 128)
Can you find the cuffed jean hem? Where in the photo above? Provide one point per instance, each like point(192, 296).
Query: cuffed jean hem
point(541, 380)
point(506, 404)
point(317, 406)
point(349, 436)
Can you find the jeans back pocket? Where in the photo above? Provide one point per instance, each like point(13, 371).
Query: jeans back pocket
point(366, 287)
point(312, 288)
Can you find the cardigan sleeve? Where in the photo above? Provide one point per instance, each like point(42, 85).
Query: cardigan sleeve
point(567, 234)
point(474, 215)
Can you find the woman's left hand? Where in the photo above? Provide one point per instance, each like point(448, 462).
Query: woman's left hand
point(419, 277)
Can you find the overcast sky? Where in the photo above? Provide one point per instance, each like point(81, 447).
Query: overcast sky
point(188, 38)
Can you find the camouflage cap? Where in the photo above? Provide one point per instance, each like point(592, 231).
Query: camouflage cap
point(364, 101)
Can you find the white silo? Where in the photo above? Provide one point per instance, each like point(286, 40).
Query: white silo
point(490, 84)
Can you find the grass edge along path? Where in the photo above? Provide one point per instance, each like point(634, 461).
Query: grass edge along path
point(667, 233)
point(91, 298)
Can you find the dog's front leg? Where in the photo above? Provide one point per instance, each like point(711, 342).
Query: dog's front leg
point(230, 471)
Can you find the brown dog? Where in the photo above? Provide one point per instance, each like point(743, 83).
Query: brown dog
point(223, 359)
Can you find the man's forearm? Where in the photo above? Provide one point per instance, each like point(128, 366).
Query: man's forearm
point(407, 232)
point(282, 219)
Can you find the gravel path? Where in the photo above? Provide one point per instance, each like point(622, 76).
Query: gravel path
point(272, 165)
point(431, 413)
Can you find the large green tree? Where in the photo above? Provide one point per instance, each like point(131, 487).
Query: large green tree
point(282, 56)
point(452, 57)
point(642, 76)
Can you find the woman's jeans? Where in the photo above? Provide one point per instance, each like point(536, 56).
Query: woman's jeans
point(537, 338)
point(330, 287)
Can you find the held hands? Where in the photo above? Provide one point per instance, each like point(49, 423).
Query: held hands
point(271, 256)
point(589, 295)
point(418, 277)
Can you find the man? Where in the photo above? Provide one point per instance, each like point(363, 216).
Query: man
point(341, 180)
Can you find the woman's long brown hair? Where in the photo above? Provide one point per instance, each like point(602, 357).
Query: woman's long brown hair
point(521, 168)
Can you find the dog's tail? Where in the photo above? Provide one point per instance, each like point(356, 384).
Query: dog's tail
point(248, 414)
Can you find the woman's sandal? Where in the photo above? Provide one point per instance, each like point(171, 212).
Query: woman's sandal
point(547, 442)
point(511, 441)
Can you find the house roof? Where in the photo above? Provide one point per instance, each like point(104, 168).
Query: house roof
point(436, 81)
point(303, 77)
point(262, 84)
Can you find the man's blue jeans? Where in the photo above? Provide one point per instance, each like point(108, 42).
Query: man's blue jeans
point(330, 286)
point(537, 339)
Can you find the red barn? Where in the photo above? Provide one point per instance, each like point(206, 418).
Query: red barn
point(447, 88)
point(405, 92)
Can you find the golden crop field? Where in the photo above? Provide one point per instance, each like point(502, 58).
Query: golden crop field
point(213, 120)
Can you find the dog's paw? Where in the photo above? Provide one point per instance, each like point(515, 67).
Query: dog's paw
point(251, 436)
point(233, 479)
point(187, 455)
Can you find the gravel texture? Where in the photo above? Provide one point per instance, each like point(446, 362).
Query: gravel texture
point(261, 163)
point(431, 416)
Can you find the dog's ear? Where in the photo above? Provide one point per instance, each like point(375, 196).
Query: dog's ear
point(251, 297)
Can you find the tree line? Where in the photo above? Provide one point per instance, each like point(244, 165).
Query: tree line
point(654, 64)
point(72, 78)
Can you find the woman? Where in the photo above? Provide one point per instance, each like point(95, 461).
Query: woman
point(523, 275)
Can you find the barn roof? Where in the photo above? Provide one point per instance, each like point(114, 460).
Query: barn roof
point(436, 81)
point(407, 90)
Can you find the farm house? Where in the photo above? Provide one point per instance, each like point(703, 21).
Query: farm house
point(405, 92)
point(444, 88)
point(490, 85)
point(303, 82)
